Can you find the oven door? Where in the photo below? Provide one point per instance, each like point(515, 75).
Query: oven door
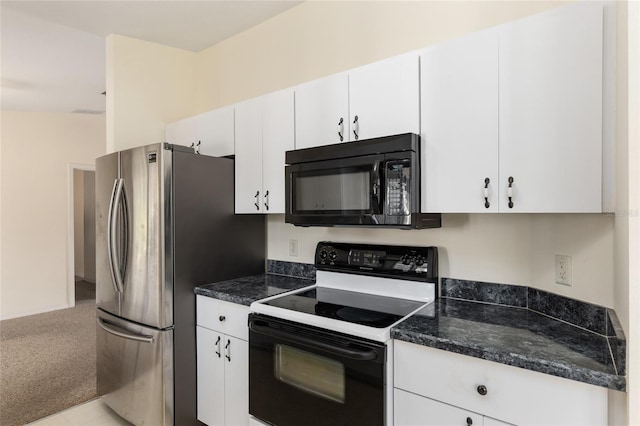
point(336, 192)
point(302, 375)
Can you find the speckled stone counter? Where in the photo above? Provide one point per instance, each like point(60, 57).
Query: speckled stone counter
point(518, 335)
point(247, 290)
point(280, 278)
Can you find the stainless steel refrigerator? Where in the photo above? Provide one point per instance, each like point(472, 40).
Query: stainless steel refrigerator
point(165, 224)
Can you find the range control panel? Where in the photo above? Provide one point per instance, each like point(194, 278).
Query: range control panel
point(405, 262)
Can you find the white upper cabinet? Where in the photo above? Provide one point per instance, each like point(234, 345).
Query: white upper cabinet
point(277, 138)
point(264, 132)
point(215, 131)
point(459, 99)
point(551, 111)
point(182, 132)
point(248, 148)
point(212, 132)
point(378, 99)
point(322, 111)
point(512, 117)
point(384, 98)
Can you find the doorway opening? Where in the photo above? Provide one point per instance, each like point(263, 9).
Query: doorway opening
point(82, 251)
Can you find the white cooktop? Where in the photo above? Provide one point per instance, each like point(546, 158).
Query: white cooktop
point(348, 292)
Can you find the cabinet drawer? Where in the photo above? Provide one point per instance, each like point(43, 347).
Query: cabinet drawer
point(224, 317)
point(414, 410)
point(512, 394)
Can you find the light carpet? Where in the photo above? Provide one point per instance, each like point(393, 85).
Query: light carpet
point(48, 361)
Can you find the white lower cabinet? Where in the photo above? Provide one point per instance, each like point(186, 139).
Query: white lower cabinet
point(223, 364)
point(453, 389)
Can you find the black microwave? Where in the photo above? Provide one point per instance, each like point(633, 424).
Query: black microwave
point(373, 182)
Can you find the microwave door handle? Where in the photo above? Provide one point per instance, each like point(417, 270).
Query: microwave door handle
point(365, 355)
point(376, 196)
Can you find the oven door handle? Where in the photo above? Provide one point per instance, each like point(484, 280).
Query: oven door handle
point(358, 355)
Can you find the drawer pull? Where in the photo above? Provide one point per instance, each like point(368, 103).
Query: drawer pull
point(482, 390)
point(469, 421)
point(222, 318)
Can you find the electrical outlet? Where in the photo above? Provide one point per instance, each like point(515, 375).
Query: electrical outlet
point(293, 248)
point(563, 269)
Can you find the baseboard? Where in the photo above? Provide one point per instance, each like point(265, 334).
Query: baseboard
point(42, 310)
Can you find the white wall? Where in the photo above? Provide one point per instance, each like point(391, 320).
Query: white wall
point(504, 248)
point(37, 149)
point(319, 38)
point(148, 85)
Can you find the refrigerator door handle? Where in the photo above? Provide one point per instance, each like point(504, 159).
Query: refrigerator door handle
point(113, 235)
point(125, 227)
point(120, 332)
point(110, 226)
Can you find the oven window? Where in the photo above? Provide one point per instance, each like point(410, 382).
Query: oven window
point(338, 191)
point(311, 373)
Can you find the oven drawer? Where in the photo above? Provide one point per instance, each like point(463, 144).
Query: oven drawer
point(224, 317)
point(508, 391)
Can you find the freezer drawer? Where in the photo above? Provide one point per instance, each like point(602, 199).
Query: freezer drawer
point(134, 368)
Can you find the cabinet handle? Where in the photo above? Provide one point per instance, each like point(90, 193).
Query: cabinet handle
point(469, 421)
point(266, 200)
point(341, 129)
point(257, 203)
point(487, 181)
point(356, 127)
point(222, 318)
point(227, 350)
point(510, 192)
point(196, 147)
point(218, 345)
point(482, 390)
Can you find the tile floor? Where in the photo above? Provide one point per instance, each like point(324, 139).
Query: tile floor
point(92, 413)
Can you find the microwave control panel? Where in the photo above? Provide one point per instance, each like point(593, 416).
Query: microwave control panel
point(398, 184)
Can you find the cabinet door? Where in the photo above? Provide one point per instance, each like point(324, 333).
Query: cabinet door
point(236, 381)
point(210, 367)
point(248, 147)
point(459, 98)
point(277, 137)
point(182, 132)
point(414, 410)
point(214, 130)
point(385, 98)
point(551, 111)
point(321, 105)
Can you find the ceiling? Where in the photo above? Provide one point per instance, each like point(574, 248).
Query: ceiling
point(53, 52)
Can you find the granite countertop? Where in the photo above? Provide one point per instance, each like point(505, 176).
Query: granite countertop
point(247, 290)
point(514, 336)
